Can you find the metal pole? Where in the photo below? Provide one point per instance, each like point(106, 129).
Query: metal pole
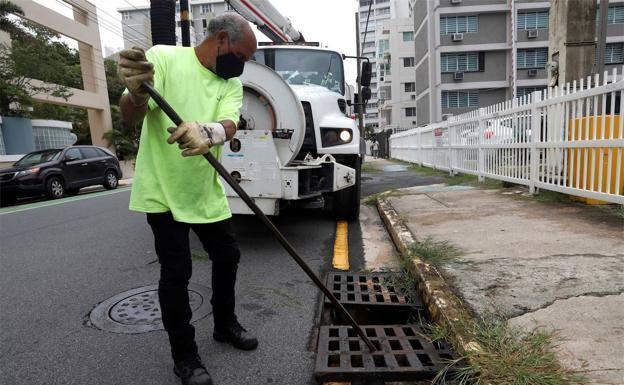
point(360, 101)
point(170, 112)
point(602, 37)
point(185, 23)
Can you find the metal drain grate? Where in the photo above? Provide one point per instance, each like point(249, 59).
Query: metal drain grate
point(366, 289)
point(403, 355)
point(138, 310)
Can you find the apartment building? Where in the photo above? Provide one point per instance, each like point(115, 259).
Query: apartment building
point(395, 68)
point(136, 22)
point(380, 11)
point(475, 53)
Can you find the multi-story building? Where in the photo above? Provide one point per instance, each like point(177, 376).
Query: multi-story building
point(380, 11)
point(475, 53)
point(395, 68)
point(136, 22)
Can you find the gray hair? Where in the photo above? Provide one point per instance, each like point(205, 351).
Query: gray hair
point(230, 22)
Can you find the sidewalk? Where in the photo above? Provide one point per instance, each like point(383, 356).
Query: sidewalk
point(559, 265)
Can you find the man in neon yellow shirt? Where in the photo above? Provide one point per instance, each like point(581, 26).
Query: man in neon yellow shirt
point(179, 190)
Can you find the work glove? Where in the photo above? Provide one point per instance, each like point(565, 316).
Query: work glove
point(134, 69)
point(196, 138)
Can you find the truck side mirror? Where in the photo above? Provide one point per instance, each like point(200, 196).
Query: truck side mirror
point(366, 94)
point(365, 74)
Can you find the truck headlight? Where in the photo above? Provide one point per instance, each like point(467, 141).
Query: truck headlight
point(335, 136)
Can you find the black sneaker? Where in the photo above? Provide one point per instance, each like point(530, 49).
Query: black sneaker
point(237, 336)
point(192, 372)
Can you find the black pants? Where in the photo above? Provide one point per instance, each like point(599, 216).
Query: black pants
point(174, 254)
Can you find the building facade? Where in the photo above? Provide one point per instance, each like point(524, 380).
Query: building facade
point(136, 22)
point(380, 12)
point(395, 69)
point(475, 53)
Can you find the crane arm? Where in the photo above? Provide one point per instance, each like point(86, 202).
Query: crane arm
point(268, 19)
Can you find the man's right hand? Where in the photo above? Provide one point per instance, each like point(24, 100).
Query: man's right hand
point(134, 69)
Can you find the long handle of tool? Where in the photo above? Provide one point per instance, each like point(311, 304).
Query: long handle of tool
point(167, 109)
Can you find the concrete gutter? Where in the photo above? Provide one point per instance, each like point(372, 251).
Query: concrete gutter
point(444, 306)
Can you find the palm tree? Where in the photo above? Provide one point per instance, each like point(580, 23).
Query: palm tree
point(6, 24)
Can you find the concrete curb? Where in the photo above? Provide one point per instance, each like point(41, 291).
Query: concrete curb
point(443, 305)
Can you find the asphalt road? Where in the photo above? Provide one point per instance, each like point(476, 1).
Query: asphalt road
point(60, 260)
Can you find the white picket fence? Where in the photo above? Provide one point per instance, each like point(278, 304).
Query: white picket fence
point(567, 139)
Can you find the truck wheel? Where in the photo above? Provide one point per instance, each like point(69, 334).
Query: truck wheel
point(347, 201)
point(54, 188)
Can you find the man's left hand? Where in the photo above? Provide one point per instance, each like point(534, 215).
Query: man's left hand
point(197, 138)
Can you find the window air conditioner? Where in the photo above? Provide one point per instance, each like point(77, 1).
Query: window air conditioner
point(456, 1)
point(533, 72)
point(458, 76)
point(458, 36)
point(532, 33)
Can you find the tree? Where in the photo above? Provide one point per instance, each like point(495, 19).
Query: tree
point(36, 53)
point(6, 24)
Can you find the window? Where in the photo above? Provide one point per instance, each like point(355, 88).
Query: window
point(178, 24)
point(410, 111)
point(206, 8)
point(382, 1)
point(365, 3)
point(369, 44)
point(373, 85)
point(408, 62)
point(89, 152)
point(204, 23)
point(532, 20)
point(532, 58)
point(410, 87)
point(459, 62)
point(126, 15)
point(456, 24)
point(382, 11)
point(523, 91)
point(372, 116)
point(382, 47)
point(369, 55)
point(460, 99)
point(73, 153)
point(408, 36)
point(616, 14)
point(614, 53)
point(373, 95)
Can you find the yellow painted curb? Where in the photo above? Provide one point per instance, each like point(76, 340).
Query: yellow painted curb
point(341, 246)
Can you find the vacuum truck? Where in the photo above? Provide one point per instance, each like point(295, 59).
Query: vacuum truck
point(297, 142)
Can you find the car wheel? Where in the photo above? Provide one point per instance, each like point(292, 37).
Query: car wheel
point(110, 180)
point(55, 188)
point(72, 191)
point(347, 201)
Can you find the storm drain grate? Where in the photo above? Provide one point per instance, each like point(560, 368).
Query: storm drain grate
point(367, 289)
point(404, 354)
point(138, 310)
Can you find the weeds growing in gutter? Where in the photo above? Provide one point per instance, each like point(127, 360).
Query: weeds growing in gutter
point(434, 252)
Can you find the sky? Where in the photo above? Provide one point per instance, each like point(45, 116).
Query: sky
point(330, 22)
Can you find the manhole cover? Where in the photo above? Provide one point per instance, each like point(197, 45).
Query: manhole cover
point(138, 310)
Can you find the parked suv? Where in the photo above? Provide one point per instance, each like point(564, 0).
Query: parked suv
point(57, 172)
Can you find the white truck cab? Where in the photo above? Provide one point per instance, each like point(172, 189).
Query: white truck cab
point(297, 143)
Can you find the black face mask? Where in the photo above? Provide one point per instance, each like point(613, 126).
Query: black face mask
point(229, 65)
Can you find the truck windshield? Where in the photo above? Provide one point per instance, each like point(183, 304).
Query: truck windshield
point(38, 157)
point(305, 66)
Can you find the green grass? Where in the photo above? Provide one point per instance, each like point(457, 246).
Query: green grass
point(510, 356)
point(372, 199)
point(199, 255)
point(434, 251)
point(369, 168)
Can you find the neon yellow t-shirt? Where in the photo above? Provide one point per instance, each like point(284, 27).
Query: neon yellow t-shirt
point(164, 180)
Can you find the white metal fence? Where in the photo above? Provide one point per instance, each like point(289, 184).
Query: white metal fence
point(568, 139)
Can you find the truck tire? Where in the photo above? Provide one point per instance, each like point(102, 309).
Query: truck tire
point(347, 201)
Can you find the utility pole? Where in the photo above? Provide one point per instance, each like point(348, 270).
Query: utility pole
point(162, 14)
point(602, 37)
point(572, 40)
point(185, 23)
point(360, 102)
